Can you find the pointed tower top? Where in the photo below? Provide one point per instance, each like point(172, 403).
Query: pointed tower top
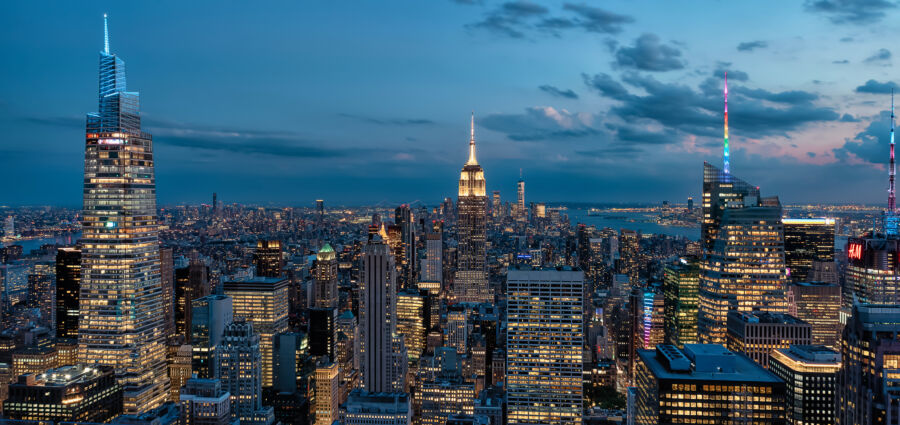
point(725, 153)
point(472, 160)
point(105, 35)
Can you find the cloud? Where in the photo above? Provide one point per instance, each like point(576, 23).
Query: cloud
point(880, 56)
point(611, 151)
point(543, 123)
point(388, 121)
point(876, 87)
point(275, 147)
point(467, 2)
point(681, 108)
point(554, 91)
point(648, 54)
point(516, 19)
point(733, 74)
point(749, 46)
point(638, 135)
point(510, 18)
point(791, 97)
point(849, 118)
point(869, 145)
point(841, 62)
point(595, 19)
point(855, 12)
point(606, 86)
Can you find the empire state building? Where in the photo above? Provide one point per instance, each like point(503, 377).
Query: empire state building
point(471, 281)
point(121, 310)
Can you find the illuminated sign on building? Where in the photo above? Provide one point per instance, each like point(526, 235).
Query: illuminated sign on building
point(854, 251)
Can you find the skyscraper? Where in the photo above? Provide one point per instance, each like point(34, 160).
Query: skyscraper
point(807, 240)
point(756, 334)
point(41, 293)
point(263, 301)
point(377, 315)
point(433, 273)
point(681, 287)
point(810, 372)
point(326, 285)
point(167, 277)
point(544, 363)
point(870, 352)
point(192, 282)
point(819, 304)
point(239, 370)
point(328, 383)
point(744, 267)
point(68, 285)
point(704, 384)
point(521, 212)
point(406, 260)
point(121, 294)
point(267, 258)
point(471, 283)
point(209, 317)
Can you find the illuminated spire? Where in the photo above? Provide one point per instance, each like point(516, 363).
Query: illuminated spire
point(472, 160)
point(727, 167)
point(105, 35)
point(892, 201)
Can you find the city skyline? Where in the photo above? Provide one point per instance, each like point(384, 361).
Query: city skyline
point(618, 95)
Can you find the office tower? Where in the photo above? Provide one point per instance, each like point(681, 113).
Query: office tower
point(818, 304)
point(399, 364)
point(377, 315)
point(544, 364)
point(291, 353)
point(210, 316)
point(326, 284)
point(632, 331)
point(457, 331)
point(756, 334)
point(263, 301)
point(654, 319)
point(268, 258)
point(471, 282)
point(681, 287)
point(34, 360)
point(67, 394)
point(167, 278)
point(433, 273)
point(721, 191)
point(630, 255)
point(215, 204)
point(68, 284)
point(705, 384)
point(809, 372)
point(491, 403)
point(807, 240)
point(690, 204)
point(121, 294)
point(322, 332)
point(496, 206)
point(521, 212)
point(204, 402)
point(240, 365)
point(872, 272)
point(413, 317)
point(891, 219)
point(328, 383)
point(824, 272)
point(41, 292)
point(192, 282)
point(403, 218)
point(179, 370)
point(66, 351)
point(870, 351)
point(9, 227)
point(438, 399)
point(363, 408)
point(744, 269)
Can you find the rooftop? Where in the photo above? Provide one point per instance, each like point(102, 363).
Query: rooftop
point(707, 362)
point(766, 317)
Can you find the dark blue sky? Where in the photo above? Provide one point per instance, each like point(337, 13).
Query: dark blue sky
point(365, 102)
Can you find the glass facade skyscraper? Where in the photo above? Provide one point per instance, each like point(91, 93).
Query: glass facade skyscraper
point(121, 311)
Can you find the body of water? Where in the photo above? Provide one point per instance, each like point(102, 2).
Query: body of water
point(29, 245)
point(631, 221)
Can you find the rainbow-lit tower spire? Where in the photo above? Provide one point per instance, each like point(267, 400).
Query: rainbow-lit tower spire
point(892, 200)
point(727, 168)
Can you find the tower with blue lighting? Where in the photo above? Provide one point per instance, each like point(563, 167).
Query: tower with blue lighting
point(121, 318)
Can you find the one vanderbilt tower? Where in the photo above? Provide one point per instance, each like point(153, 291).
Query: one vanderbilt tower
point(121, 322)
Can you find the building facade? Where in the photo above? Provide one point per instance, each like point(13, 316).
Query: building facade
point(544, 345)
point(120, 304)
point(810, 374)
point(471, 281)
point(263, 301)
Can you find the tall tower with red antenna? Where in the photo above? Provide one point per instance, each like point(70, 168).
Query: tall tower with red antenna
point(727, 167)
point(892, 200)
